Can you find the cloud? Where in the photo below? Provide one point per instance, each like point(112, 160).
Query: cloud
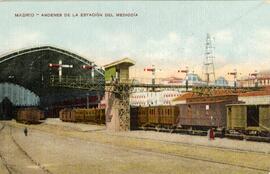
point(223, 37)
point(166, 53)
point(174, 37)
point(21, 38)
point(169, 52)
point(107, 47)
point(261, 41)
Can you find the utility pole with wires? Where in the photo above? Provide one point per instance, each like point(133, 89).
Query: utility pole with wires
point(209, 67)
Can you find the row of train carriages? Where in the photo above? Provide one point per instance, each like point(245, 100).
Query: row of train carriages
point(29, 115)
point(34, 115)
point(198, 114)
point(92, 115)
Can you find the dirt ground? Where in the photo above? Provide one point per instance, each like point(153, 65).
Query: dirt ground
point(55, 147)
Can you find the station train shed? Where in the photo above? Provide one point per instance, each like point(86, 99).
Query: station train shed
point(26, 76)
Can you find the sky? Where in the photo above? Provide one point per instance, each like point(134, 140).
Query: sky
point(170, 35)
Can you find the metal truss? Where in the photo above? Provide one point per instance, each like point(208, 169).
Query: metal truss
point(91, 84)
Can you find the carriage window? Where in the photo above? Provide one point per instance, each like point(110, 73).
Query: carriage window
point(252, 116)
point(230, 110)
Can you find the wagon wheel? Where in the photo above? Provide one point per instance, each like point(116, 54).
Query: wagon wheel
point(157, 128)
point(171, 130)
point(144, 126)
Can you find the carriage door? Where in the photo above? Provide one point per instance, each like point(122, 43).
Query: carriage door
point(252, 116)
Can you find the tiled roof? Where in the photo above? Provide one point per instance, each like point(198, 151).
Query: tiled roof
point(223, 92)
point(186, 95)
point(255, 93)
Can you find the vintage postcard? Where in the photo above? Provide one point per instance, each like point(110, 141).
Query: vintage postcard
point(129, 87)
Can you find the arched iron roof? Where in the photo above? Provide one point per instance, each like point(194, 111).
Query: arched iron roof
point(50, 48)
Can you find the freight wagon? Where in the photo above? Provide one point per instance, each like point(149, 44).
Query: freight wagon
point(157, 116)
point(203, 115)
point(65, 115)
point(29, 115)
point(93, 115)
point(249, 119)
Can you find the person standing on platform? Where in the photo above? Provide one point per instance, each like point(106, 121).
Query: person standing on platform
point(25, 131)
point(212, 134)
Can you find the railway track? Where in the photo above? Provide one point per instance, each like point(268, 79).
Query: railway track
point(1, 156)
point(27, 155)
point(204, 133)
point(192, 157)
point(197, 158)
point(10, 169)
point(145, 150)
point(195, 145)
point(153, 152)
point(2, 126)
